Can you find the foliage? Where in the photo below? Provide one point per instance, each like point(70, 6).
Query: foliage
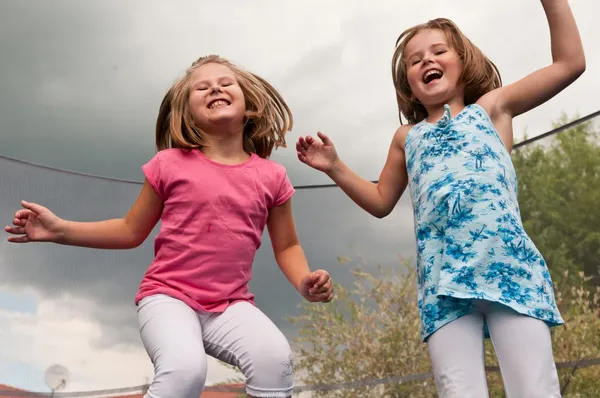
point(559, 197)
point(371, 331)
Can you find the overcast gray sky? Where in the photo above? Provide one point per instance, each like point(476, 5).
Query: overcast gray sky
point(80, 85)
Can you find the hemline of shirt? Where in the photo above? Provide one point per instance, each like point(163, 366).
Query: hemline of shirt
point(193, 304)
point(462, 312)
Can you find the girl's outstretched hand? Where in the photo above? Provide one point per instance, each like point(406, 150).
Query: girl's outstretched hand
point(34, 223)
point(318, 154)
point(317, 286)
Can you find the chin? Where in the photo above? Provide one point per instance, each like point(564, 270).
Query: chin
point(227, 119)
point(436, 96)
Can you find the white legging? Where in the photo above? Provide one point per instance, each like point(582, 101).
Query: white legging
point(177, 340)
point(523, 346)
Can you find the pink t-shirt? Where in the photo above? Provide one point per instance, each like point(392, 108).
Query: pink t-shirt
point(211, 226)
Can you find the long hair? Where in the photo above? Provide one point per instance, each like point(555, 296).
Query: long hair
point(266, 121)
point(479, 75)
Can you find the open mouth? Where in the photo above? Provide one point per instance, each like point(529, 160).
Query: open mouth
point(432, 75)
point(218, 104)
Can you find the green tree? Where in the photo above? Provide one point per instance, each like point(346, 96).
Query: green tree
point(371, 330)
point(559, 197)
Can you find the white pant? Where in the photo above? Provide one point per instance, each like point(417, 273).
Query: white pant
point(523, 346)
point(177, 340)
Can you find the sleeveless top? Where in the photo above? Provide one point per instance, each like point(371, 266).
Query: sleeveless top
point(470, 239)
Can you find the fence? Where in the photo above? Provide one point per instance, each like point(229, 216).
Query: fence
point(576, 364)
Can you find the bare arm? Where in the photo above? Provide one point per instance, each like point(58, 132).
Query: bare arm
point(290, 257)
point(35, 223)
point(286, 246)
point(121, 233)
point(568, 63)
point(381, 198)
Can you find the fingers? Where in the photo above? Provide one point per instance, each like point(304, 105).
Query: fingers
point(301, 157)
point(34, 207)
point(326, 140)
point(320, 289)
point(15, 230)
point(304, 143)
point(17, 239)
point(18, 227)
point(20, 221)
point(320, 279)
point(326, 295)
point(300, 150)
point(322, 286)
point(328, 298)
point(22, 214)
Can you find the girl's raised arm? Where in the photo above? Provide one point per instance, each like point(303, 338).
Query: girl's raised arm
point(568, 63)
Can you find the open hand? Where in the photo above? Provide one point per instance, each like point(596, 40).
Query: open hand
point(318, 154)
point(317, 286)
point(34, 223)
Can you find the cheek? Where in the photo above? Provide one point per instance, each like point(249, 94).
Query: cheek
point(240, 100)
point(196, 107)
point(454, 67)
point(413, 77)
point(195, 101)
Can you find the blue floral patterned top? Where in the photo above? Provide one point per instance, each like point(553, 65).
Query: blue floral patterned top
point(470, 238)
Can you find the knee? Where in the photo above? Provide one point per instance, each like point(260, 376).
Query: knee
point(275, 361)
point(182, 377)
point(270, 371)
point(545, 385)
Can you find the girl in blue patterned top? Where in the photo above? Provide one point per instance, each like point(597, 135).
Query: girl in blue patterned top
point(479, 273)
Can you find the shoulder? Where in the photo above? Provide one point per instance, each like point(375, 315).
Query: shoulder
point(172, 153)
point(167, 163)
point(274, 181)
point(269, 166)
point(165, 156)
point(400, 135)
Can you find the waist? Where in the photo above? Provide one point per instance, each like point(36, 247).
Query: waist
point(438, 187)
point(208, 282)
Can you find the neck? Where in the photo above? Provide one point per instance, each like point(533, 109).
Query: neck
point(225, 146)
point(435, 112)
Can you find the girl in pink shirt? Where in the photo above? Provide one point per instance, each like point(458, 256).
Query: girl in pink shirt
point(213, 188)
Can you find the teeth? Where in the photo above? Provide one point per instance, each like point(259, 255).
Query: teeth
point(218, 103)
point(432, 72)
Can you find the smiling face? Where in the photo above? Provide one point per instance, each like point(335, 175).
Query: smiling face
point(215, 97)
point(433, 67)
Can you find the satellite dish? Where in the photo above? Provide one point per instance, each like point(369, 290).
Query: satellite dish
point(56, 377)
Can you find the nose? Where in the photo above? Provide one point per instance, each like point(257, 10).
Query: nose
point(215, 89)
point(426, 59)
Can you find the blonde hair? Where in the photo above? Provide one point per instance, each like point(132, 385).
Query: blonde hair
point(479, 75)
point(266, 121)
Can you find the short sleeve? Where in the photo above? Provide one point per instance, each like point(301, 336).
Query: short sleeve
point(285, 189)
point(152, 172)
